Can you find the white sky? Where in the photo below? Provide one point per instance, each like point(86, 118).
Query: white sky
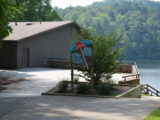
point(67, 3)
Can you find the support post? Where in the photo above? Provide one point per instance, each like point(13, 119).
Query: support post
point(92, 82)
point(92, 78)
point(84, 59)
point(72, 75)
point(147, 91)
point(157, 93)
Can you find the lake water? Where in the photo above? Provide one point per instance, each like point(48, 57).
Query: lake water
point(150, 72)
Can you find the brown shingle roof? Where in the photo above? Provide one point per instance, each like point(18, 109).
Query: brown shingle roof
point(22, 31)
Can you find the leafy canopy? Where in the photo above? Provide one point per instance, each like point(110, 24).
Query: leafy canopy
point(34, 10)
point(5, 10)
point(139, 20)
point(105, 54)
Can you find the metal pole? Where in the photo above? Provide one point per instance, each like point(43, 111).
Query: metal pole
point(92, 78)
point(72, 75)
point(147, 89)
point(84, 58)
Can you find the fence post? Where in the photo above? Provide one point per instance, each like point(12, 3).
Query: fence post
point(157, 94)
point(147, 91)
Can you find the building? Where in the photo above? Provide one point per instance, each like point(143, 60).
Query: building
point(31, 43)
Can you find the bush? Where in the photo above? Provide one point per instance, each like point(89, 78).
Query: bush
point(83, 88)
point(62, 86)
point(105, 87)
point(106, 52)
point(76, 80)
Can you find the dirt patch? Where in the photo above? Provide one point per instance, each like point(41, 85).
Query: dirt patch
point(117, 90)
point(4, 81)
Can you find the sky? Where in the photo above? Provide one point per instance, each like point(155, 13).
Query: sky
point(67, 3)
point(73, 3)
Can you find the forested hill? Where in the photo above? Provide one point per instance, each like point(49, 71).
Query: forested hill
point(137, 20)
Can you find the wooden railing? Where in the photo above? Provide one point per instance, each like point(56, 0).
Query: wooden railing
point(136, 76)
point(60, 63)
point(131, 63)
point(135, 64)
point(57, 63)
point(147, 89)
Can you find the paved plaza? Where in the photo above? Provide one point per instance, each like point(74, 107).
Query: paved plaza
point(23, 100)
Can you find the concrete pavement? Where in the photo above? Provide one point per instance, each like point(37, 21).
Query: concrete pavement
point(81, 108)
point(9, 104)
point(22, 101)
point(38, 80)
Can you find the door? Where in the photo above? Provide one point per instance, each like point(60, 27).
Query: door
point(25, 57)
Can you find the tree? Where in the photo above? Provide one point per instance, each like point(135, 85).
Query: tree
point(105, 54)
point(5, 29)
point(34, 10)
point(138, 20)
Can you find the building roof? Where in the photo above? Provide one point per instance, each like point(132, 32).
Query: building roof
point(25, 30)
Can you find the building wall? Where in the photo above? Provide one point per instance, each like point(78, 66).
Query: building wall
point(53, 44)
point(8, 55)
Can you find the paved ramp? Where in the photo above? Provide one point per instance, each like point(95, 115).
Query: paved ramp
point(37, 80)
point(82, 108)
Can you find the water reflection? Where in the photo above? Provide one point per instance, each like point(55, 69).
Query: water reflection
point(150, 72)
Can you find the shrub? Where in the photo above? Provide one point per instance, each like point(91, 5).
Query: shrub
point(76, 80)
point(62, 86)
point(105, 87)
point(106, 52)
point(83, 88)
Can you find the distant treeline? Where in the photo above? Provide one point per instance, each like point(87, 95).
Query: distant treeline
point(137, 20)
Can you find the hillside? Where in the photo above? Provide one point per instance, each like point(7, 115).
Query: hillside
point(137, 20)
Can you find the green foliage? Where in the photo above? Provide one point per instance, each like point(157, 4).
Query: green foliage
point(83, 88)
point(24, 10)
point(62, 86)
point(34, 10)
point(76, 80)
point(105, 87)
point(105, 54)
point(155, 115)
point(5, 9)
point(138, 20)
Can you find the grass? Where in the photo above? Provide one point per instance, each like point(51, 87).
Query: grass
point(155, 115)
point(143, 94)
